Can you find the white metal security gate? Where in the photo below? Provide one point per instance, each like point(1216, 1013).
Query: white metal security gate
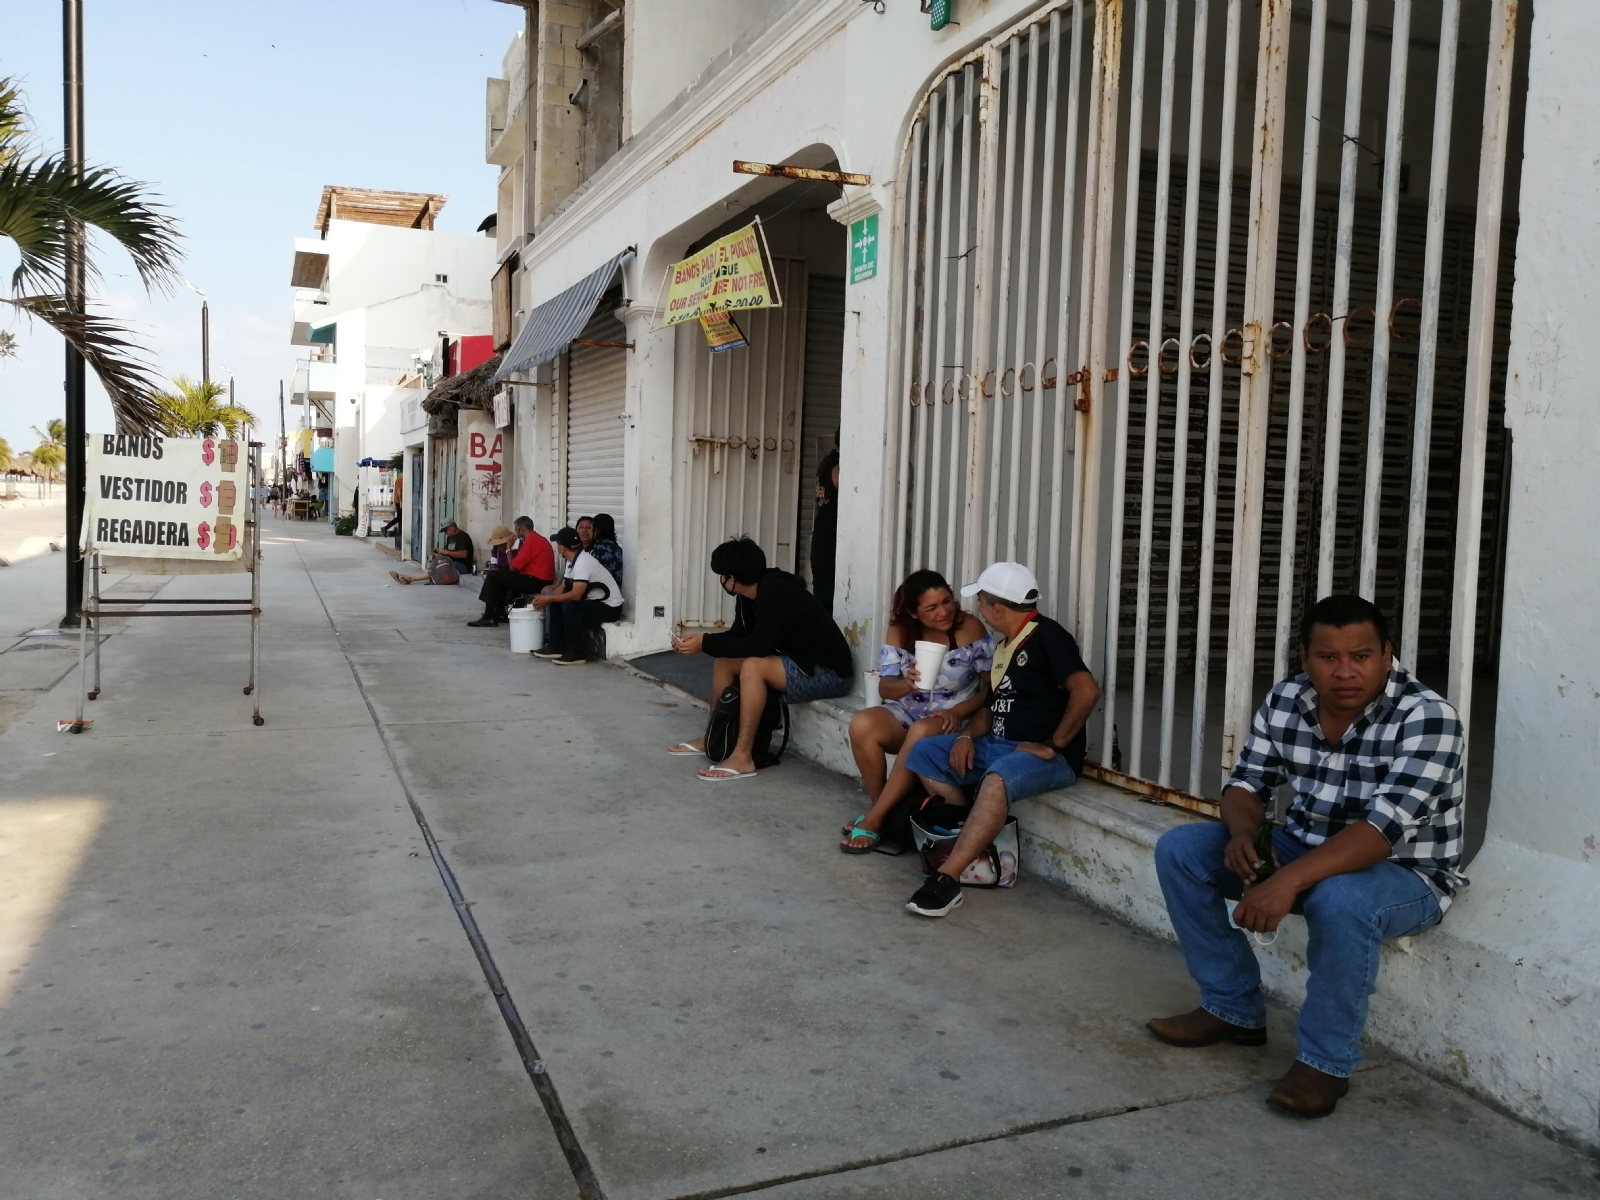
point(597, 382)
point(739, 415)
point(1095, 376)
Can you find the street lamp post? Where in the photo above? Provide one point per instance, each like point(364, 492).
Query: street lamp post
point(205, 332)
point(74, 382)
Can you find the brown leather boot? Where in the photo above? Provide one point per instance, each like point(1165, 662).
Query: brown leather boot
point(1200, 1028)
point(1307, 1092)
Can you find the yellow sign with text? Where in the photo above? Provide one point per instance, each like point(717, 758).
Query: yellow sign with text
point(728, 275)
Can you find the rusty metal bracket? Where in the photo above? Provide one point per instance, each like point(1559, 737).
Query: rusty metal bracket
point(1153, 791)
point(1112, 375)
point(810, 174)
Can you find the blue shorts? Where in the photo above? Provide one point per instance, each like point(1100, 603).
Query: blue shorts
point(1023, 774)
point(821, 684)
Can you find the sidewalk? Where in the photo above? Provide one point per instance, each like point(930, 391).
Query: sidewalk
point(29, 527)
point(244, 977)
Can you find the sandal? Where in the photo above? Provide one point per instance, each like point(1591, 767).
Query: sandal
point(856, 831)
point(685, 750)
point(721, 774)
point(398, 578)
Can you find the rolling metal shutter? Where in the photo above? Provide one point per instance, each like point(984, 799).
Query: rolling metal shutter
point(819, 416)
point(596, 390)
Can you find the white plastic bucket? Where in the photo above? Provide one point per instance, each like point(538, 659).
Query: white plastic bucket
point(527, 630)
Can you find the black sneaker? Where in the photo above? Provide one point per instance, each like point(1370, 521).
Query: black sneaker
point(937, 896)
point(549, 652)
point(483, 623)
point(571, 660)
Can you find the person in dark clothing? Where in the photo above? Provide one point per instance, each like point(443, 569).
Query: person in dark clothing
point(457, 549)
point(781, 639)
point(825, 530)
point(457, 546)
point(606, 548)
point(530, 569)
point(592, 596)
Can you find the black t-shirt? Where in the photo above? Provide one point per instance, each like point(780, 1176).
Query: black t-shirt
point(1032, 695)
point(460, 541)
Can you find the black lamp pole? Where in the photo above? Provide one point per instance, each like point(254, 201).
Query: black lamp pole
point(77, 433)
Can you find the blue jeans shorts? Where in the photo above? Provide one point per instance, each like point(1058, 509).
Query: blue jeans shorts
point(1023, 774)
point(821, 684)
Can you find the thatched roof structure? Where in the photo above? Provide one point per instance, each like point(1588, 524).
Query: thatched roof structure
point(469, 389)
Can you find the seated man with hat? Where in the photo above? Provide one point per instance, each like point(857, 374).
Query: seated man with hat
point(529, 566)
point(1030, 738)
point(592, 595)
point(456, 551)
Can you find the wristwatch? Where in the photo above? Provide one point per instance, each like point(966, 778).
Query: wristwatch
point(1061, 751)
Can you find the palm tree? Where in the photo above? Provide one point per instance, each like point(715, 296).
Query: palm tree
point(193, 409)
point(41, 203)
point(5, 455)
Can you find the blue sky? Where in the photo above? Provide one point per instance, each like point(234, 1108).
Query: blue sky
point(238, 113)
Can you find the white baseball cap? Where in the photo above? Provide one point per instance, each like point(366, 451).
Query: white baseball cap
point(1007, 580)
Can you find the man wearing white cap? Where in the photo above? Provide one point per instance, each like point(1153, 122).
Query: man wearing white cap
point(1029, 740)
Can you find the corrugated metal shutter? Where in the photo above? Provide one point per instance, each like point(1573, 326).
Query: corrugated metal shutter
point(596, 393)
point(819, 418)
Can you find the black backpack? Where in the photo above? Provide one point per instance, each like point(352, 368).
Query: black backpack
point(722, 730)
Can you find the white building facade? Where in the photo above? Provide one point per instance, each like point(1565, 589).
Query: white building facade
point(376, 294)
point(1202, 310)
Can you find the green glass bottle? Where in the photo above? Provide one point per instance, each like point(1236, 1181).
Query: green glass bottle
point(1264, 852)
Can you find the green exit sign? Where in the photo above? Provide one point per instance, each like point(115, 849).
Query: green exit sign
point(864, 249)
point(939, 13)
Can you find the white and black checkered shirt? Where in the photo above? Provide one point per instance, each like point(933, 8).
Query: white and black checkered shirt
point(1398, 767)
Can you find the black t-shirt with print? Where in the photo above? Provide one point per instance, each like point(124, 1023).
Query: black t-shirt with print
point(1032, 695)
point(460, 541)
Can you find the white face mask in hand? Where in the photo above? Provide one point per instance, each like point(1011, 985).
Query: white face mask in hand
point(1261, 939)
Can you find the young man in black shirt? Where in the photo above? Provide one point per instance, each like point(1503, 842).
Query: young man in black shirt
point(781, 639)
point(1029, 740)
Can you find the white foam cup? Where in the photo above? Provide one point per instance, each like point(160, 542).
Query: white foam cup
point(930, 661)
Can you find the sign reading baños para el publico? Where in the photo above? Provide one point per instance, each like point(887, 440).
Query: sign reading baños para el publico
point(728, 275)
point(162, 497)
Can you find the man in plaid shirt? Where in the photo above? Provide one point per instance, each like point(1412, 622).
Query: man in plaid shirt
point(1370, 849)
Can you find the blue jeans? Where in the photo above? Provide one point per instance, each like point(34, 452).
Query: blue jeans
point(1349, 917)
point(1023, 774)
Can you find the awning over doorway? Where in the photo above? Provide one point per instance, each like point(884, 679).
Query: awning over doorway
point(553, 325)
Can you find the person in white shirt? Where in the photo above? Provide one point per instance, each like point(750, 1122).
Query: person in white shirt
point(591, 595)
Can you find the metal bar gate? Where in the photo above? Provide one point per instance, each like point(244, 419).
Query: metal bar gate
point(1324, 356)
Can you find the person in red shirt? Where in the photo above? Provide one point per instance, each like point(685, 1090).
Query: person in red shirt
point(533, 567)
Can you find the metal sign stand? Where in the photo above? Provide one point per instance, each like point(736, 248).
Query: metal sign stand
point(95, 608)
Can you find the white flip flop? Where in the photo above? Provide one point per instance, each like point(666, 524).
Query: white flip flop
point(723, 775)
point(683, 750)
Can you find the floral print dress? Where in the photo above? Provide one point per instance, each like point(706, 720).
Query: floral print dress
point(959, 679)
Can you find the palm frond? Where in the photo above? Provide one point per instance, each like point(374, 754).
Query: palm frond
point(108, 350)
point(39, 199)
point(13, 119)
point(192, 409)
